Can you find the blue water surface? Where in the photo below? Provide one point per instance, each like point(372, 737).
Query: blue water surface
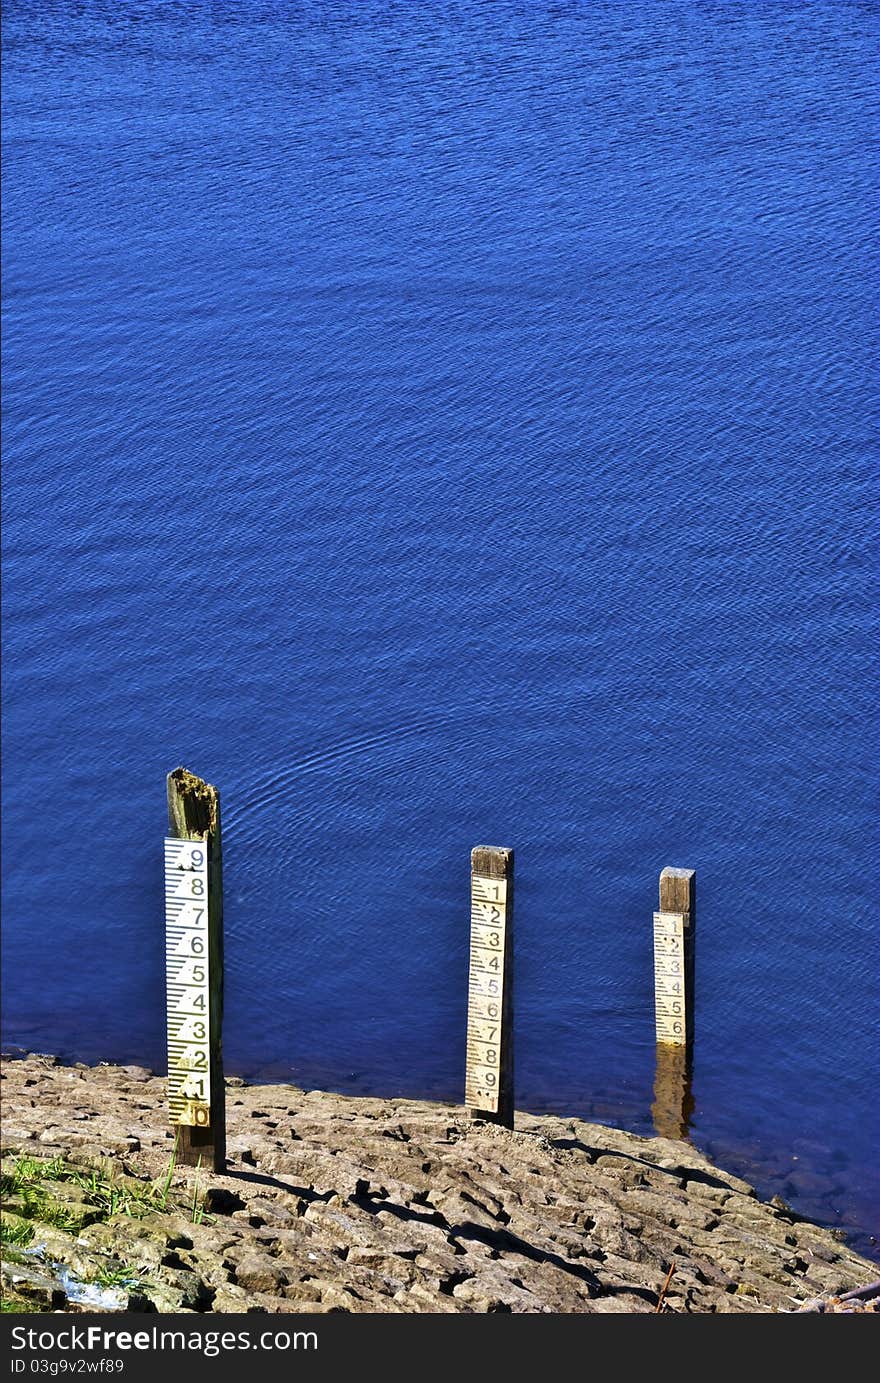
point(447, 424)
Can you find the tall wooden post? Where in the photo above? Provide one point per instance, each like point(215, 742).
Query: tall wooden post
point(674, 935)
point(489, 1075)
point(194, 970)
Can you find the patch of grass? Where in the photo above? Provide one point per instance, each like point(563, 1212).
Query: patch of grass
point(115, 1277)
point(15, 1232)
point(28, 1171)
point(197, 1208)
point(39, 1203)
point(164, 1186)
point(34, 1189)
point(13, 1254)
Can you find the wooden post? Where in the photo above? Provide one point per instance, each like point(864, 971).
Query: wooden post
point(674, 931)
point(194, 970)
point(673, 1094)
point(489, 1075)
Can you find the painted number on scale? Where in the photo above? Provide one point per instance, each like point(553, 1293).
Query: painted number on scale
point(186, 981)
point(669, 976)
point(485, 990)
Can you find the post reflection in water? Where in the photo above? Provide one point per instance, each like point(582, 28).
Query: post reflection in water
point(673, 1107)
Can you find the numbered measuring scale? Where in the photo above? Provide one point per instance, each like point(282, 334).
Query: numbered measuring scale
point(670, 977)
point(187, 981)
point(485, 992)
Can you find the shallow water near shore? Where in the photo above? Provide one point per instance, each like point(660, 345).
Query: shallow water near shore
point(435, 426)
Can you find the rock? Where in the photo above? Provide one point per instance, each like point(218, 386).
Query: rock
point(221, 1201)
point(418, 1297)
point(139, 1301)
point(401, 1271)
point(459, 1208)
point(191, 1292)
point(624, 1302)
point(34, 1285)
point(496, 1288)
point(816, 1249)
point(261, 1211)
point(403, 1206)
point(258, 1272)
point(231, 1297)
point(612, 1239)
point(163, 1297)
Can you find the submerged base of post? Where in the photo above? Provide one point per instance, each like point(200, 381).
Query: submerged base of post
point(673, 1104)
point(194, 815)
point(489, 1074)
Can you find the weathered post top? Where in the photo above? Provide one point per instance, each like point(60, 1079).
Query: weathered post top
point(678, 890)
point(193, 806)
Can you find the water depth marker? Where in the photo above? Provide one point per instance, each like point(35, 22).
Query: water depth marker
point(489, 1071)
point(674, 932)
point(194, 970)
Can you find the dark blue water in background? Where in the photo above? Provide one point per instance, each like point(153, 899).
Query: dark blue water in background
point(445, 424)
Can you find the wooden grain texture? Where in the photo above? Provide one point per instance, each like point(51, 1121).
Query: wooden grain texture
point(194, 814)
point(678, 891)
point(496, 862)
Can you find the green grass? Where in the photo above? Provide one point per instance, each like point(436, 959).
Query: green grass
point(51, 1191)
point(32, 1188)
point(16, 1232)
point(38, 1203)
point(197, 1208)
point(29, 1171)
point(115, 1277)
point(162, 1192)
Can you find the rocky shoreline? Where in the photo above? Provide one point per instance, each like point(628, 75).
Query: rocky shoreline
point(333, 1203)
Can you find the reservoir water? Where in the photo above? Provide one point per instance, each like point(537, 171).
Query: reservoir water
point(439, 425)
